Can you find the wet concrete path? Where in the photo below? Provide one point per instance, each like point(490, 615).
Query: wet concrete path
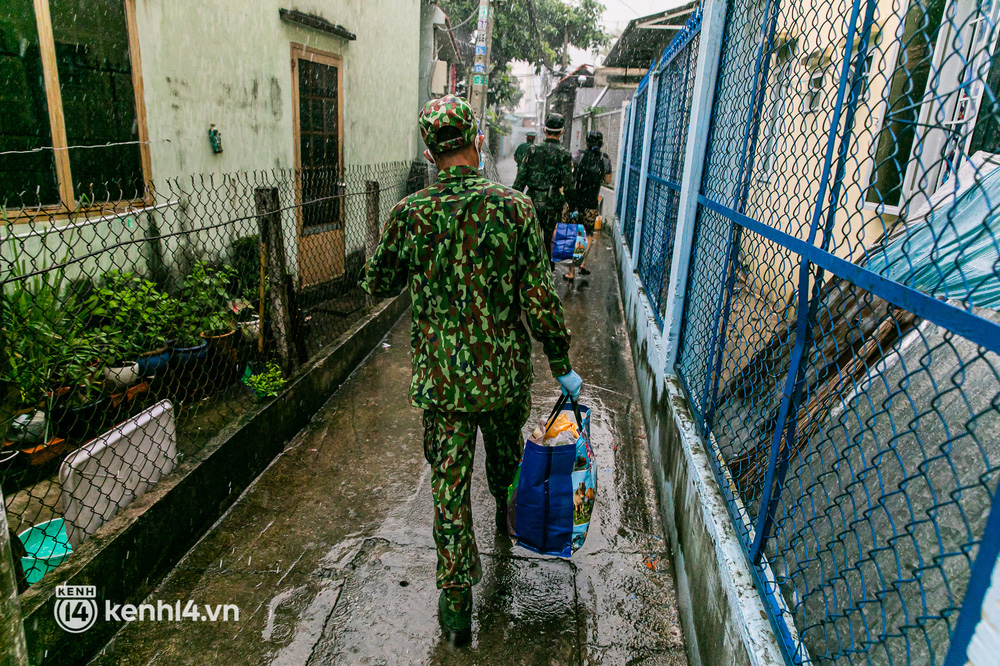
point(329, 554)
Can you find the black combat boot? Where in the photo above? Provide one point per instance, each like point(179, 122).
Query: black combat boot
point(455, 615)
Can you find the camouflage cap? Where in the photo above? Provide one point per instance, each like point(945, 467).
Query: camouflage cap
point(447, 111)
point(531, 133)
point(554, 122)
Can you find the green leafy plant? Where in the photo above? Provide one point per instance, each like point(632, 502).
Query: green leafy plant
point(202, 305)
point(266, 384)
point(34, 338)
point(134, 311)
point(48, 346)
point(185, 325)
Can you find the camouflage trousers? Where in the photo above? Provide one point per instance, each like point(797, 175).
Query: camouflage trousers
point(449, 446)
point(547, 220)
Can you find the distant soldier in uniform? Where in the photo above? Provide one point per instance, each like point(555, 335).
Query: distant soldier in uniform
point(591, 169)
point(522, 150)
point(547, 172)
point(468, 250)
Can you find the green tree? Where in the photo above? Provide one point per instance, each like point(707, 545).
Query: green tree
point(537, 31)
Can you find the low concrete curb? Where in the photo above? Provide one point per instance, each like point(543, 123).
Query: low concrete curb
point(131, 553)
point(723, 617)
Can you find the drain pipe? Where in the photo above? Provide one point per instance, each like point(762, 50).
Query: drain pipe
point(11, 629)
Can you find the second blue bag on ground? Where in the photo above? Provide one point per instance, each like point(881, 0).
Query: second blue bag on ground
point(552, 497)
point(564, 242)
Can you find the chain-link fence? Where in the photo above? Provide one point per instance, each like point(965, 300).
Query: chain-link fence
point(637, 137)
point(133, 333)
point(609, 124)
point(840, 333)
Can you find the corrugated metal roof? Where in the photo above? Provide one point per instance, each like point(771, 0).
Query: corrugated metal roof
point(645, 38)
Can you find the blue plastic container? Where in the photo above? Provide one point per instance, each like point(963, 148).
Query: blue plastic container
point(189, 354)
point(154, 363)
point(47, 546)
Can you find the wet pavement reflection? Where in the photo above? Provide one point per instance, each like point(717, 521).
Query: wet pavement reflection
point(329, 554)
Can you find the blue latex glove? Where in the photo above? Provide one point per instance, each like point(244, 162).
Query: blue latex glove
point(575, 214)
point(571, 384)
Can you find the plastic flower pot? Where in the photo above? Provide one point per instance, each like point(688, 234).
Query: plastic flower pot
point(221, 341)
point(154, 362)
point(40, 454)
point(129, 394)
point(8, 454)
point(81, 421)
point(47, 546)
point(183, 355)
point(122, 376)
point(250, 329)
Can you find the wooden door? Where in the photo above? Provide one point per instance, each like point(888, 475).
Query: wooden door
point(317, 102)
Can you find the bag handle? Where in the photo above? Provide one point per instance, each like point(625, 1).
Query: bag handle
point(560, 405)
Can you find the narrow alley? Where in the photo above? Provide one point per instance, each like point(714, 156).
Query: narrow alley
point(329, 554)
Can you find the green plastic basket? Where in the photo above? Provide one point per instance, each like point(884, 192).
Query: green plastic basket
point(47, 546)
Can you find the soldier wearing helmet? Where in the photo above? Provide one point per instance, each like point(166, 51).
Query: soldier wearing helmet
point(547, 173)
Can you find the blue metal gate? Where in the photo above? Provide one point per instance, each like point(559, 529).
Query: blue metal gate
point(840, 334)
point(665, 168)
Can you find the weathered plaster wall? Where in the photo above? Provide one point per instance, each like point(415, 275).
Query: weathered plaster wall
point(228, 62)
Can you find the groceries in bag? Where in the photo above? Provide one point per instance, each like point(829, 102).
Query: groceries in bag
point(552, 497)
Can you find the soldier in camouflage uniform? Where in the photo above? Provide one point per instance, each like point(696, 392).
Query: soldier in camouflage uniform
point(470, 254)
point(524, 148)
point(547, 172)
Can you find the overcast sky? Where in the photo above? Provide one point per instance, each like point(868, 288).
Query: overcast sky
point(620, 12)
point(617, 14)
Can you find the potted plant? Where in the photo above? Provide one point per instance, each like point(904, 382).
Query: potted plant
point(247, 320)
point(206, 296)
point(81, 413)
point(264, 384)
point(188, 345)
point(33, 331)
point(121, 369)
point(137, 311)
point(218, 330)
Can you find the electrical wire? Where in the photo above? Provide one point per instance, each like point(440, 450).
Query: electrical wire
point(456, 27)
point(54, 148)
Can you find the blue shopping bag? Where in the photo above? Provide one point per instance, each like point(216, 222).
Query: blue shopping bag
point(564, 242)
point(551, 499)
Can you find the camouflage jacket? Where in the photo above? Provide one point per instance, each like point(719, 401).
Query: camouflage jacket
point(521, 151)
point(547, 172)
point(471, 254)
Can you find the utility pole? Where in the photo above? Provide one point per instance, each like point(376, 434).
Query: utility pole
point(481, 63)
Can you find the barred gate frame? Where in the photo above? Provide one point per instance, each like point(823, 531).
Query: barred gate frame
point(812, 256)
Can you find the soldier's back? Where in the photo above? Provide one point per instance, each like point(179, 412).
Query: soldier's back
point(549, 168)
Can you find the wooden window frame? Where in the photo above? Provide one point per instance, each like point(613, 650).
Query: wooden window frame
point(300, 51)
point(68, 205)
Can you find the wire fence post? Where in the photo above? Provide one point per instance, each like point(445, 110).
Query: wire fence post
point(647, 142)
point(372, 216)
point(269, 223)
point(624, 160)
point(710, 47)
point(11, 627)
